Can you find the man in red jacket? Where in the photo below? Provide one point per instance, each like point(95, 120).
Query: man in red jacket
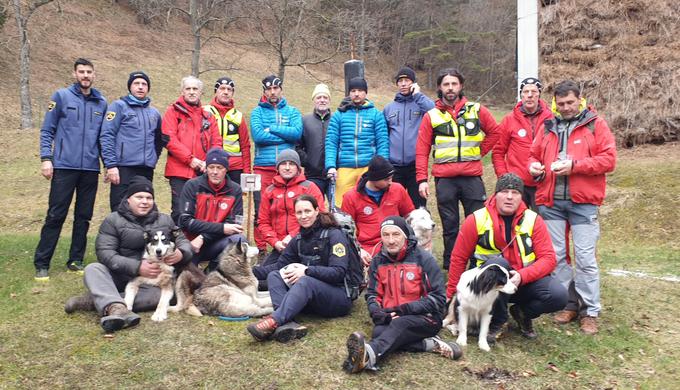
point(276, 217)
point(516, 133)
point(570, 159)
point(460, 132)
point(191, 132)
point(233, 128)
point(373, 199)
point(507, 233)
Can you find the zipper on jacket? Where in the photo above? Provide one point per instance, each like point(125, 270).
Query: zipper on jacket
point(403, 136)
point(82, 145)
point(459, 139)
point(401, 277)
point(145, 128)
point(356, 140)
point(389, 282)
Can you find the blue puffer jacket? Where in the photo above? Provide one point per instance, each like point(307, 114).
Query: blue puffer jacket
point(130, 134)
point(70, 133)
point(355, 135)
point(274, 129)
point(403, 118)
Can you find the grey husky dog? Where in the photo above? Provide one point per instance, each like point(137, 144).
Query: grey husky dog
point(230, 290)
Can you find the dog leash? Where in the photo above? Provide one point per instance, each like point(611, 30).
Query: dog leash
point(224, 318)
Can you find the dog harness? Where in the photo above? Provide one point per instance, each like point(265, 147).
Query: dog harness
point(486, 247)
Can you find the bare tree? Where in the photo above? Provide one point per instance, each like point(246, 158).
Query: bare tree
point(293, 30)
point(22, 18)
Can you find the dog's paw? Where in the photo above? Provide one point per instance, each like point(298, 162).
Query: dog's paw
point(174, 309)
point(461, 340)
point(158, 317)
point(484, 346)
point(453, 328)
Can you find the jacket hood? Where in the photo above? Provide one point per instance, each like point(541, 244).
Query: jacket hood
point(125, 212)
point(264, 103)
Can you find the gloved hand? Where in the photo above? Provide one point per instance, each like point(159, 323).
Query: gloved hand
point(400, 310)
point(381, 317)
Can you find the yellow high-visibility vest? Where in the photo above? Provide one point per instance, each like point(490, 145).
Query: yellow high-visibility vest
point(228, 126)
point(457, 140)
point(486, 247)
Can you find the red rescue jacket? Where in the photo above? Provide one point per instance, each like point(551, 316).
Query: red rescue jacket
point(192, 133)
point(467, 242)
point(515, 136)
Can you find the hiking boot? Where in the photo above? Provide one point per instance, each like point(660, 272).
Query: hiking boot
point(565, 317)
point(589, 325)
point(495, 333)
point(263, 329)
point(448, 350)
point(79, 303)
point(358, 357)
point(75, 266)
point(524, 324)
point(117, 317)
point(42, 275)
point(289, 331)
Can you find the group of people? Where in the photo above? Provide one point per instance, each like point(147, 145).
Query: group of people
point(550, 162)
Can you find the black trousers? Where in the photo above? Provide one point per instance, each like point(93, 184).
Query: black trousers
point(235, 175)
point(126, 173)
point(405, 333)
point(64, 183)
point(322, 184)
point(529, 197)
point(545, 295)
point(406, 176)
point(468, 190)
point(176, 187)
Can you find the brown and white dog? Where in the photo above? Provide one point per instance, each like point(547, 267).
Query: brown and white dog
point(421, 221)
point(476, 292)
point(230, 290)
point(158, 244)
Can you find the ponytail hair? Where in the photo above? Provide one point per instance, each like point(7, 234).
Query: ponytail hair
point(325, 218)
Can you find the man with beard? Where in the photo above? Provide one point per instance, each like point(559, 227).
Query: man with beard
point(69, 151)
point(131, 137)
point(232, 126)
point(374, 198)
point(192, 132)
point(461, 132)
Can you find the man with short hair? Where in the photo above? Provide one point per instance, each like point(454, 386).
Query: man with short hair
point(120, 247)
point(232, 126)
point(507, 233)
point(275, 126)
point(312, 144)
point(276, 218)
point(570, 159)
point(211, 204)
point(373, 199)
point(356, 133)
point(69, 155)
point(460, 133)
point(403, 117)
point(405, 299)
point(191, 132)
point(130, 138)
point(516, 132)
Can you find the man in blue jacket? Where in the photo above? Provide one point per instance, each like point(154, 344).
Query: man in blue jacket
point(356, 133)
point(275, 126)
point(69, 151)
point(130, 137)
point(403, 118)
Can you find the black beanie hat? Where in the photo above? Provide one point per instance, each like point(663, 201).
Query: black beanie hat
point(531, 80)
point(379, 168)
point(226, 81)
point(357, 83)
point(138, 75)
point(271, 80)
point(217, 155)
point(397, 221)
point(509, 181)
point(405, 72)
point(139, 184)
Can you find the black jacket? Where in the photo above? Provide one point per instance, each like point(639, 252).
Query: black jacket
point(311, 147)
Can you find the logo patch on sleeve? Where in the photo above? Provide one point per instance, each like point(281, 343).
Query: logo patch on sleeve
point(51, 105)
point(339, 250)
point(110, 115)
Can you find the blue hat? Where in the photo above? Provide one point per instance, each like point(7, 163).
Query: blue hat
point(217, 155)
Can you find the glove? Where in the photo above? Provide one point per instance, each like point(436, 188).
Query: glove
point(400, 310)
point(381, 317)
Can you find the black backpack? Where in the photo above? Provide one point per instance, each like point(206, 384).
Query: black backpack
point(355, 281)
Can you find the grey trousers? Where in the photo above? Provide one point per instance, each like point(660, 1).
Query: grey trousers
point(582, 281)
point(107, 288)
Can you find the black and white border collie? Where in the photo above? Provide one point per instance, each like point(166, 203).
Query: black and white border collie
point(477, 290)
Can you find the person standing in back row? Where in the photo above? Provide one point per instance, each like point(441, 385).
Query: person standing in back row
point(69, 155)
point(312, 143)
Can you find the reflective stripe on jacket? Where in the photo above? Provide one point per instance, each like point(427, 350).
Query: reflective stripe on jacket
point(459, 139)
point(486, 246)
point(228, 126)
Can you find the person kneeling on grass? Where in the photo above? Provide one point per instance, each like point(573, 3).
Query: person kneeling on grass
point(308, 276)
point(405, 299)
point(120, 247)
